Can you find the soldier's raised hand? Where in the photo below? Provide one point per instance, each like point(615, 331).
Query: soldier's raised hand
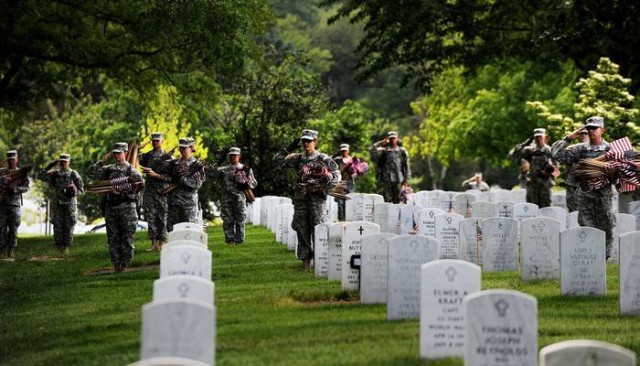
point(107, 156)
point(293, 145)
point(573, 135)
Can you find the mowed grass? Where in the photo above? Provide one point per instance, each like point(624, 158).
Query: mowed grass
point(268, 311)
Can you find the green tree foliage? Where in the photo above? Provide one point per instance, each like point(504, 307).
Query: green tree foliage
point(603, 93)
point(47, 43)
point(428, 36)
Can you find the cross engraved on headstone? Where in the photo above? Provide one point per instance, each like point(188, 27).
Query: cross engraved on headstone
point(183, 289)
point(185, 257)
point(451, 273)
point(582, 236)
point(360, 230)
point(525, 208)
point(414, 245)
point(504, 207)
point(449, 220)
point(501, 306)
point(500, 226)
point(187, 227)
point(431, 214)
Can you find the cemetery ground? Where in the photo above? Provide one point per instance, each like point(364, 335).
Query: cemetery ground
point(70, 312)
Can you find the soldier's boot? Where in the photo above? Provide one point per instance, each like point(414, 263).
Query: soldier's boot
point(117, 267)
point(161, 245)
point(153, 246)
point(11, 253)
point(65, 251)
point(306, 265)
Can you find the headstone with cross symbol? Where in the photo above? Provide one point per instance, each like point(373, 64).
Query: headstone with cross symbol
point(335, 251)
point(183, 286)
point(321, 250)
point(444, 284)
point(504, 209)
point(470, 241)
point(501, 328)
point(193, 260)
point(557, 213)
point(447, 232)
point(582, 262)
point(630, 273)
point(540, 249)
point(380, 213)
point(194, 237)
point(499, 244)
point(584, 352)
point(352, 235)
point(427, 221)
point(373, 273)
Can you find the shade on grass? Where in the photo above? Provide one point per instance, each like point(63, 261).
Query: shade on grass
point(268, 311)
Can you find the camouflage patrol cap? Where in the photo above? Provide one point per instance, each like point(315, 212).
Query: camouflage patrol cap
point(156, 136)
point(12, 154)
point(595, 121)
point(539, 132)
point(187, 142)
point(344, 147)
point(309, 135)
point(65, 157)
point(392, 135)
point(120, 147)
point(234, 151)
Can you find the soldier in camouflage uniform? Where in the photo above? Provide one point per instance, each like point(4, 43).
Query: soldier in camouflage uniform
point(392, 166)
point(10, 202)
point(571, 183)
point(595, 207)
point(236, 177)
point(66, 184)
point(154, 164)
point(187, 173)
point(344, 160)
point(539, 178)
point(317, 174)
point(120, 207)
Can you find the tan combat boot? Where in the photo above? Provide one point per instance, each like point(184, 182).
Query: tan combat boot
point(306, 265)
point(11, 253)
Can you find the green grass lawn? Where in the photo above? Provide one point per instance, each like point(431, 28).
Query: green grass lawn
point(268, 311)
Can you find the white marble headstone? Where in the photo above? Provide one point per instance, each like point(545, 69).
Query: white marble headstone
point(255, 208)
point(572, 220)
point(504, 209)
point(335, 252)
point(196, 236)
point(369, 205)
point(630, 273)
point(557, 213)
point(582, 262)
point(408, 219)
point(462, 204)
point(501, 195)
point(321, 250)
point(634, 209)
point(189, 260)
point(380, 212)
point(625, 223)
point(393, 219)
point(583, 352)
point(540, 249)
point(499, 244)
point(559, 199)
point(518, 196)
point(373, 276)
point(483, 209)
point(427, 221)
point(444, 284)
point(489, 196)
point(448, 234)
point(406, 254)
point(421, 198)
point(168, 361)
point(178, 328)
point(470, 240)
point(352, 234)
point(187, 226)
point(524, 210)
point(502, 328)
point(183, 286)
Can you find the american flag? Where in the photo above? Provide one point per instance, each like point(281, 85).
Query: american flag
point(621, 149)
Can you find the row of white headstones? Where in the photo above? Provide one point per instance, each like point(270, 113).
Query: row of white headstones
point(386, 266)
point(178, 326)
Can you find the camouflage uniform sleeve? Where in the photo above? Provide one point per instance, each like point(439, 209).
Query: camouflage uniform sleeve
point(563, 153)
point(406, 171)
point(22, 186)
point(44, 175)
point(520, 152)
point(376, 151)
point(334, 170)
point(77, 181)
point(195, 180)
point(283, 158)
point(135, 175)
point(97, 171)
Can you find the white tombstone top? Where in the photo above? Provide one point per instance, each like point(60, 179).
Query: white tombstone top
point(393, 219)
point(583, 352)
point(352, 235)
point(501, 328)
point(629, 273)
point(540, 249)
point(499, 244)
point(168, 361)
point(182, 286)
point(483, 209)
point(470, 240)
point(427, 221)
point(462, 204)
point(255, 207)
point(409, 219)
point(504, 209)
point(373, 274)
point(524, 210)
point(582, 262)
point(421, 198)
point(501, 195)
point(447, 232)
point(335, 252)
point(518, 196)
point(178, 328)
point(572, 220)
point(193, 235)
point(557, 213)
point(634, 209)
point(444, 284)
point(380, 211)
point(625, 223)
point(407, 253)
point(189, 260)
point(370, 202)
point(187, 226)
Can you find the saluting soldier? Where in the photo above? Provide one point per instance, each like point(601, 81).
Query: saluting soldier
point(392, 166)
point(120, 207)
point(154, 164)
point(187, 174)
point(344, 160)
point(595, 205)
point(11, 190)
point(237, 179)
point(67, 185)
point(539, 178)
point(317, 174)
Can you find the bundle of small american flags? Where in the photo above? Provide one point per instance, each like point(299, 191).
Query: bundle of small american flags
point(618, 163)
